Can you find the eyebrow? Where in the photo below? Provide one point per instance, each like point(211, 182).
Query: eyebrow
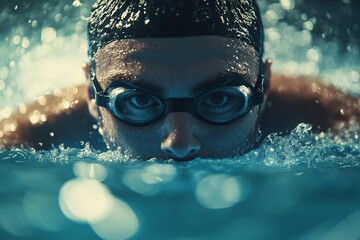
point(219, 81)
point(135, 83)
point(223, 80)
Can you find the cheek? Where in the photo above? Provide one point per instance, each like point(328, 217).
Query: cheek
point(107, 128)
point(132, 138)
point(232, 136)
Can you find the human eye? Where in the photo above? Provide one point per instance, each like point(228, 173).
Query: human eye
point(226, 101)
point(217, 99)
point(222, 100)
point(143, 100)
point(137, 106)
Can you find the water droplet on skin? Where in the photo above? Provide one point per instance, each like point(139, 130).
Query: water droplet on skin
point(43, 118)
point(101, 131)
point(42, 100)
point(65, 104)
point(22, 108)
point(35, 117)
point(315, 88)
point(10, 127)
point(74, 90)
point(5, 113)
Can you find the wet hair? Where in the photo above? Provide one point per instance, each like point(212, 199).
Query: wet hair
point(123, 19)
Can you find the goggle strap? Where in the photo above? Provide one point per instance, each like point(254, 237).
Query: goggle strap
point(100, 99)
point(257, 98)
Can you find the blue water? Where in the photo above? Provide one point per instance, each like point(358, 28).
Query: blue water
point(300, 186)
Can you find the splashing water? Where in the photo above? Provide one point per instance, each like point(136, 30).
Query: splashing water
point(298, 186)
point(309, 175)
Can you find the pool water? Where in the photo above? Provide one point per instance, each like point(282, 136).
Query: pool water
point(301, 186)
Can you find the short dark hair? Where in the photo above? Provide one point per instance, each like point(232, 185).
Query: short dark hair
point(122, 19)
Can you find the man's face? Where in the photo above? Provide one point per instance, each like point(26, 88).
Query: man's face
point(180, 67)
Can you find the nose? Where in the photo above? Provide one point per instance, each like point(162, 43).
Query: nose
point(180, 142)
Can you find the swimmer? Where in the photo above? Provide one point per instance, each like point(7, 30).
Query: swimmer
point(177, 80)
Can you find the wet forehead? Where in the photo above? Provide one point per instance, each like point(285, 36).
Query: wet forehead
point(182, 59)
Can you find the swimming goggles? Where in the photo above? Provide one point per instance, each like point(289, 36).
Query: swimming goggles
point(222, 105)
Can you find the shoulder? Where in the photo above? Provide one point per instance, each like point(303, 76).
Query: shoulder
point(57, 117)
point(294, 100)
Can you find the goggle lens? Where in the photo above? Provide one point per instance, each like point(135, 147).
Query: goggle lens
point(218, 106)
point(136, 107)
point(224, 104)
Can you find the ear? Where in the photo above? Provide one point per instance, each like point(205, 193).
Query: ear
point(267, 74)
point(92, 107)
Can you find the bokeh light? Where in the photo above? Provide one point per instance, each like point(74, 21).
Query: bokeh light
point(220, 191)
point(85, 200)
point(147, 181)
